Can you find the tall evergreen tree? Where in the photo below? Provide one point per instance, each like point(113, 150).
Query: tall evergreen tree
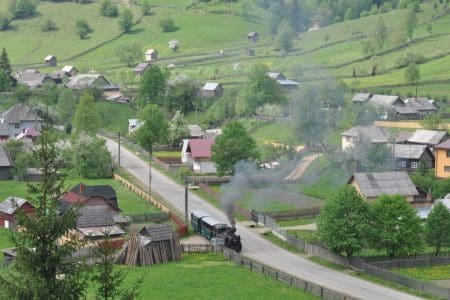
point(4, 62)
point(42, 267)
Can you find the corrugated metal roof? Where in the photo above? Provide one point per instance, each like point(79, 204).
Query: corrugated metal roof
point(10, 205)
point(212, 221)
point(408, 151)
point(427, 137)
point(200, 213)
point(210, 86)
point(200, 147)
point(391, 183)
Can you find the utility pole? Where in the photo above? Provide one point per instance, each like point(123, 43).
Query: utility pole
point(186, 193)
point(119, 151)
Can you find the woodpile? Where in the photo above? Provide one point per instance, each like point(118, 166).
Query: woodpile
point(141, 251)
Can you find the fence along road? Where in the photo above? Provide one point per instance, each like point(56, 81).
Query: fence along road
point(255, 246)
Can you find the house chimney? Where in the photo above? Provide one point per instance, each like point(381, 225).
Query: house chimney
point(82, 187)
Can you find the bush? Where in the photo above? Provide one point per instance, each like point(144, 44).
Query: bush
point(5, 21)
point(167, 25)
point(184, 171)
point(48, 25)
point(108, 9)
point(83, 1)
point(20, 9)
point(410, 58)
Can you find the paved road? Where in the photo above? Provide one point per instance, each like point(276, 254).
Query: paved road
point(255, 246)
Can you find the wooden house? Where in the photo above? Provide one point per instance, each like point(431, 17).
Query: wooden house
point(151, 54)
point(212, 89)
point(17, 119)
point(284, 83)
point(70, 71)
point(442, 159)
point(409, 157)
point(253, 36)
point(375, 134)
point(50, 61)
point(373, 185)
point(430, 138)
point(8, 210)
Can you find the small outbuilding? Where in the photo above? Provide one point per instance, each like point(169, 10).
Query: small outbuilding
point(212, 89)
point(50, 61)
point(69, 71)
point(154, 244)
point(253, 36)
point(141, 67)
point(151, 54)
point(8, 210)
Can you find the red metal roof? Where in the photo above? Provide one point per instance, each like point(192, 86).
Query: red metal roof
point(200, 147)
point(72, 197)
point(443, 145)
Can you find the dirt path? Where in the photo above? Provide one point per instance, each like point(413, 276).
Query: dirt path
point(301, 167)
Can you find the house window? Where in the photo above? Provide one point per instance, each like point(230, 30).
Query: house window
point(414, 165)
point(448, 153)
point(447, 169)
point(16, 125)
point(402, 163)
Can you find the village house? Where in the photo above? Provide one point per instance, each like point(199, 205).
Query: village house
point(211, 134)
point(50, 61)
point(141, 67)
point(8, 210)
point(416, 108)
point(212, 89)
point(110, 91)
point(5, 164)
point(32, 78)
point(373, 133)
point(17, 120)
point(253, 36)
point(283, 81)
point(197, 154)
point(151, 54)
point(29, 136)
point(100, 216)
point(361, 97)
point(442, 159)
point(409, 157)
point(69, 71)
point(195, 132)
point(373, 185)
point(427, 137)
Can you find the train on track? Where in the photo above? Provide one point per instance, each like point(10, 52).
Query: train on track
point(210, 227)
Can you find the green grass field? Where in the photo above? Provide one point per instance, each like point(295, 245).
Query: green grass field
point(207, 276)
point(426, 273)
point(129, 202)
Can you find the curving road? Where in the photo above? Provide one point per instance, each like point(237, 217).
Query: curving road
point(255, 246)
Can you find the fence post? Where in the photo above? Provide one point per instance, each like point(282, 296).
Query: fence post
point(251, 266)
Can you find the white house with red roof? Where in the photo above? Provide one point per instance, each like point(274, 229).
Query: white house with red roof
point(197, 153)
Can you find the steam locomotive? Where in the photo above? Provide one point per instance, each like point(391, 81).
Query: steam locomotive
point(210, 228)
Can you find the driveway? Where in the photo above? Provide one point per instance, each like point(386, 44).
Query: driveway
point(255, 246)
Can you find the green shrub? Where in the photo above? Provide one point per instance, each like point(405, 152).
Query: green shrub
point(108, 9)
point(167, 25)
point(5, 21)
point(48, 25)
point(183, 171)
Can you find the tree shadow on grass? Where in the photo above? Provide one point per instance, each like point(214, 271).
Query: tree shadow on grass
point(136, 31)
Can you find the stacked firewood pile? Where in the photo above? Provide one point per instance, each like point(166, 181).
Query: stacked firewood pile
point(141, 250)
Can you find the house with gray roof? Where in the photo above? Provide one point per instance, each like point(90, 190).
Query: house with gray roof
point(282, 80)
point(50, 61)
point(17, 119)
point(212, 89)
point(386, 100)
point(361, 97)
point(253, 36)
point(427, 137)
point(8, 210)
point(416, 108)
point(409, 157)
point(32, 78)
point(141, 67)
point(373, 185)
point(110, 91)
point(5, 164)
point(375, 134)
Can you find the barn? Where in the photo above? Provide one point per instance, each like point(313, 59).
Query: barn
point(8, 210)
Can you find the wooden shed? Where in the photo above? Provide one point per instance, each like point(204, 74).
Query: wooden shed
point(8, 210)
point(50, 61)
point(212, 89)
point(253, 36)
point(151, 54)
point(154, 244)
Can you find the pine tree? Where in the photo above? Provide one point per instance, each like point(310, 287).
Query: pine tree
point(42, 267)
point(4, 62)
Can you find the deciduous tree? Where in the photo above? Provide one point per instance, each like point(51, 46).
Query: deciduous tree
point(397, 226)
point(83, 28)
point(86, 118)
point(437, 227)
point(380, 35)
point(178, 129)
point(129, 54)
point(152, 88)
point(344, 222)
point(412, 75)
point(126, 20)
point(233, 145)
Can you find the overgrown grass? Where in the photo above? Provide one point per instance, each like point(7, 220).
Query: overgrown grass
point(308, 236)
point(277, 241)
point(426, 273)
point(114, 116)
point(207, 276)
point(171, 154)
point(296, 222)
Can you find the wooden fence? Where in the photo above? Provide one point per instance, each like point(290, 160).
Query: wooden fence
point(412, 262)
point(154, 217)
point(182, 227)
